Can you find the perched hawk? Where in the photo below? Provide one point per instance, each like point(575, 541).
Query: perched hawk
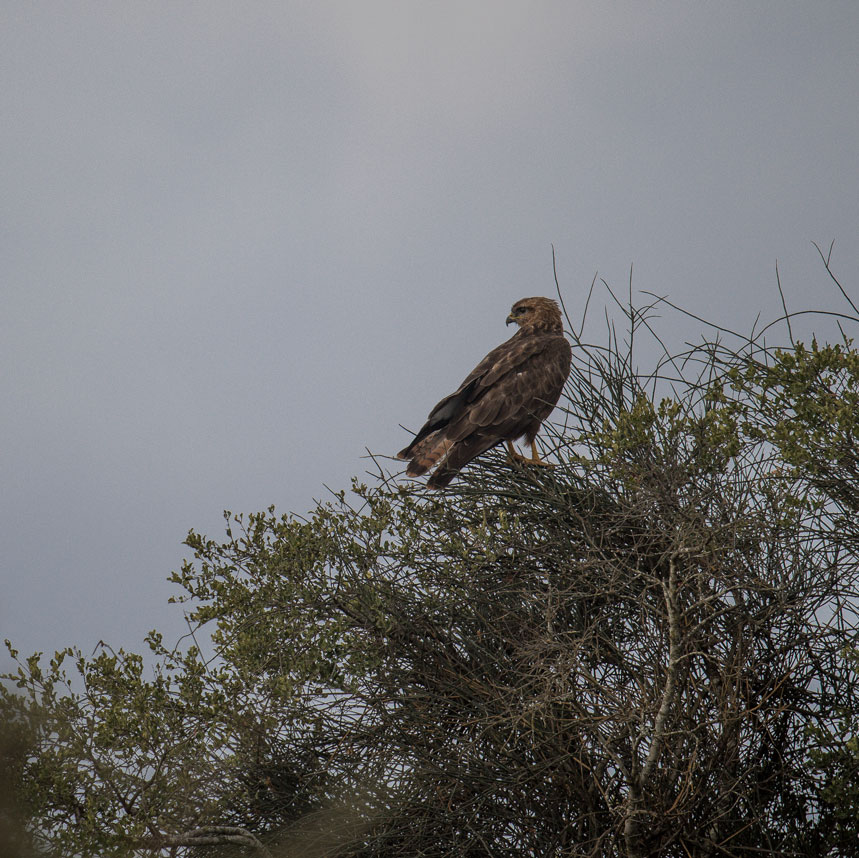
point(508, 395)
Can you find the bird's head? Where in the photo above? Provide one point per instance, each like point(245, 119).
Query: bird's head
point(536, 314)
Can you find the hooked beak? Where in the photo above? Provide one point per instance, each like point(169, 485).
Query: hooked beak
point(510, 319)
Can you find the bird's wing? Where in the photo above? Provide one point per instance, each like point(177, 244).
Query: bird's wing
point(500, 361)
point(501, 384)
point(522, 385)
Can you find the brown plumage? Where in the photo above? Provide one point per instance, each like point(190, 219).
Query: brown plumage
point(508, 395)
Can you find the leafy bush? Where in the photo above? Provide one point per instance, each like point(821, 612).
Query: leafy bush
point(644, 650)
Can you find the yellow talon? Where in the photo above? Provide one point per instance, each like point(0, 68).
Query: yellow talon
point(535, 459)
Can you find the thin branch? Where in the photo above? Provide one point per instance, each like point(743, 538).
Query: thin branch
point(210, 835)
point(784, 305)
point(826, 259)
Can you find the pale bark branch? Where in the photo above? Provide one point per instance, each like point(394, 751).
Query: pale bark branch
point(639, 781)
point(210, 835)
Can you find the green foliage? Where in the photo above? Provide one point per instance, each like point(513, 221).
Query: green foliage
point(640, 651)
point(834, 755)
point(807, 407)
point(113, 750)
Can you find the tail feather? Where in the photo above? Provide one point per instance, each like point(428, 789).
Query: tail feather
point(441, 477)
point(459, 455)
point(418, 445)
point(427, 454)
point(452, 455)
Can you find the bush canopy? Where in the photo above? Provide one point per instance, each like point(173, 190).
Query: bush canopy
point(648, 649)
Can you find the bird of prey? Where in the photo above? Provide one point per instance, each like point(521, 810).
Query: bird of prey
point(506, 396)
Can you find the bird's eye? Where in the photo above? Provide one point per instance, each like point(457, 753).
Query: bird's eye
point(520, 310)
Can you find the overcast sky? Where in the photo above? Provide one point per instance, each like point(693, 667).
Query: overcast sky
point(242, 242)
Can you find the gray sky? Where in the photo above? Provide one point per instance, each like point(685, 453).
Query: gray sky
point(241, 243)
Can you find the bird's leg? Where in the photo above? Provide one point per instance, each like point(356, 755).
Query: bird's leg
point(513, 454)
point(535, 456)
